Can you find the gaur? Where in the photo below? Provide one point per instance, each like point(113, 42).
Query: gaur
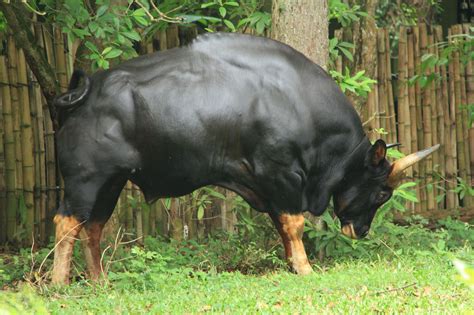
point(246, 113)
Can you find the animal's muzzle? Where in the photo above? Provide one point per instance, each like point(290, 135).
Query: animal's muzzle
point(348, 230)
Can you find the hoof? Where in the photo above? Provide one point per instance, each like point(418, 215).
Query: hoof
point(303, 270)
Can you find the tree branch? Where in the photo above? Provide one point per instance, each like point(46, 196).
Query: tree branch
point(16, 14)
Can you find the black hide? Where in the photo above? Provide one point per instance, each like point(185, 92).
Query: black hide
point(242, 112)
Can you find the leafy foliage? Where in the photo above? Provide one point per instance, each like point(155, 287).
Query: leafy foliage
point(336, 244)
point(461, 45)
point(234, 16)
point(3, 23)
point(358, 84)
point(336, 47)
point(344, 13)
point(111, 30)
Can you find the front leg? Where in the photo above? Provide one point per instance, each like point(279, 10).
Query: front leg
point(290, 227)
point(91, 248)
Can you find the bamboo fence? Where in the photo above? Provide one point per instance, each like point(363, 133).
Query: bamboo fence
point(31, 186)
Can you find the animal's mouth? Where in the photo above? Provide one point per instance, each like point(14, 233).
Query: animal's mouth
point(348, 230)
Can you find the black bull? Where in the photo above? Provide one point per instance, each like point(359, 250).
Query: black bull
point(245, 113)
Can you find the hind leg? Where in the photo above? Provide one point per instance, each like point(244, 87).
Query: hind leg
point(90, 237)
point(103, 208)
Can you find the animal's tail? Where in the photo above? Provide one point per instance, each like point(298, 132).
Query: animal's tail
point(76, 94)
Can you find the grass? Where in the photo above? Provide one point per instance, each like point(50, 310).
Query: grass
point(172, 278)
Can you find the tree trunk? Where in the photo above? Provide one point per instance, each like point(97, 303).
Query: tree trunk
point(363, 34)
point(303, 24)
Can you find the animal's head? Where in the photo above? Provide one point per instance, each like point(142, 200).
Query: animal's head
point(364, 190)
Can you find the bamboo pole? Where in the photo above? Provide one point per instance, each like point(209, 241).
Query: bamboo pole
point(161, 218)
point(50, 155)
point(13, 79)
point(451, 151)
point(338, 34)
point(3, 213)
point(26, 148)
point(372, 109)
point(172, 36)
point(40, 152)
point(145, 214)
point(390, 104)
point(153, 215)
point(461, 145)
point(61, 74)
point(434, 125)
point(470, 100)
point(176, 222)
point(36, 153)
point(129, 217)
point(188, 211)
point(404, 124)
point(60, 54)
point(138, 213)
point(382, 83)
point(402, 40)
point(418, 121)
point(412, 130)
point(427, 127)
point(468, 200)
point(9, 220)
point(441, 104)
point(412, 99)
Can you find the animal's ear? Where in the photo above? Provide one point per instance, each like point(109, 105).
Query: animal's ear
point(377, 153)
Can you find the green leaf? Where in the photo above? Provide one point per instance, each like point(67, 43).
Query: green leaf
point(141, 20)
point(81, 33)
point(222, 11)
point(139, 13)
point(114, 53)
point(231, 3)
point(260, 27)
point(132, 35)
point(207, 5)
point(102, 63)
point(346, 44)
point(346, 53)
point(106, 50)
point(101, 10)
point(91, 46)
point(440, 198)
point(200, 213)
point(406, 185)
point(229, 25)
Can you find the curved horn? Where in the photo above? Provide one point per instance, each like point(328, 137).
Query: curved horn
point(392, 145)
point(402, 164)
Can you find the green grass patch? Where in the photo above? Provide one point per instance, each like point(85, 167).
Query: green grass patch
point(404, 270)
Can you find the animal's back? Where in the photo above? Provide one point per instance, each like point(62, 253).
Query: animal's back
point(235, 110)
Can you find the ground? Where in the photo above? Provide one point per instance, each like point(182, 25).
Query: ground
point(232, 275)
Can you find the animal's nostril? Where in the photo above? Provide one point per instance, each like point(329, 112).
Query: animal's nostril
point(364, 231)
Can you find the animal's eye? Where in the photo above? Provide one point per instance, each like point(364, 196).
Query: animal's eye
point(383, 196)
